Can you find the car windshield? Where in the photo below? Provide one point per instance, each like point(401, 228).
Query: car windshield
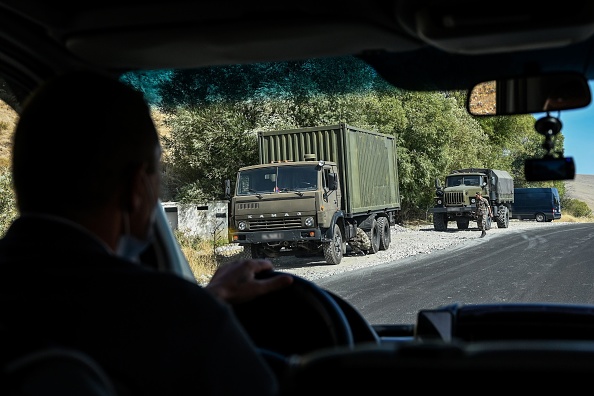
point(311, 102)
point(330, 107)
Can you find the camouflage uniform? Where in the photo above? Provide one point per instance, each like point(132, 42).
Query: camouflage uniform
point(483, 209)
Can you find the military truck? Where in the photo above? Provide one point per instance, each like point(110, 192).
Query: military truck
point(456, 201)
point(315, 191)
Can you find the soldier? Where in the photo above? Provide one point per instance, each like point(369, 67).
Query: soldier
point(482, 208)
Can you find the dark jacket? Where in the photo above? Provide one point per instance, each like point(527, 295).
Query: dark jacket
point(154, 332)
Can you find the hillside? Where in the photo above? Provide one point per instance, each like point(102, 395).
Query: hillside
point(581, 188)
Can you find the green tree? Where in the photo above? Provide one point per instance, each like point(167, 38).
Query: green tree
point(214, 114)
point(8, 211)
point(207, 145)
point(575, 207)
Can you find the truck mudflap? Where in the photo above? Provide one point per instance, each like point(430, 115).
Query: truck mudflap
point(278, 236)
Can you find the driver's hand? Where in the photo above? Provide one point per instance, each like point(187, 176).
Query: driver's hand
point(236, 282)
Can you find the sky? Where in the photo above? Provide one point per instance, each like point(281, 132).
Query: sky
point(577, 126)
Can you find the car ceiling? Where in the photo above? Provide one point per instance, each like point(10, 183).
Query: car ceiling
point(402, 39)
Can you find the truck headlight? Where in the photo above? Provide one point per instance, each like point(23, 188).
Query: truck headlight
point(309, 221)
point(242, 226)
point(439, 202)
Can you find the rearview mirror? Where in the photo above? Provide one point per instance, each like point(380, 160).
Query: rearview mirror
point(531, 94)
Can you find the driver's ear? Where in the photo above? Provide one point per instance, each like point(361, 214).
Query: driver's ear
point(134, 192)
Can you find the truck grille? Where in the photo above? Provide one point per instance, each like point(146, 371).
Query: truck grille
point(249, 205)
point(454, 198)
point(275, 223)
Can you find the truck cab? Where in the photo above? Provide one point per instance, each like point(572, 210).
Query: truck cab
point(456, 201)
point(284, 208)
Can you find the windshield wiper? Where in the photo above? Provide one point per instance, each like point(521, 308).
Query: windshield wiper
point(295, 191)
point(256, 193)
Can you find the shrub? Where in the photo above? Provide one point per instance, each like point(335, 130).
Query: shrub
point(8, 211)
point(576, 208)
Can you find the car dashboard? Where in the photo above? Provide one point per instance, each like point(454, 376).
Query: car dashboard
point(484, 347)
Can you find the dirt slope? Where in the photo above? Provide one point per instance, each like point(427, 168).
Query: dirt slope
point(582, 188)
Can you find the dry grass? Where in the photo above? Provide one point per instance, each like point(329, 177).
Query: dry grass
point(8, 119)
point(565, 218)
point(200, 255)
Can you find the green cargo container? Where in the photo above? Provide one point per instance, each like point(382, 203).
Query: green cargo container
point(367, 161)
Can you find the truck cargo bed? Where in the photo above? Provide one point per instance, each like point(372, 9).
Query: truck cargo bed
point(367, 161)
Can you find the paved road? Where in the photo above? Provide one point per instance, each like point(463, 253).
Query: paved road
point(553, 264)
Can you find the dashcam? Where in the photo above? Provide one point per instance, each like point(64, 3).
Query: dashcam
point(542, 169)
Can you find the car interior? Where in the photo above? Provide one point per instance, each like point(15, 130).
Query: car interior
point(533, 59)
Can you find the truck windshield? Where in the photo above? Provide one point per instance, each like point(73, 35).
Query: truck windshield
point(454, 181)
point(277, 179)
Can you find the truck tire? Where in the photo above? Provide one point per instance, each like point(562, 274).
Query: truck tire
point(503, 218)
point(374, 238)
point(540, 217)
point(462, 223)
point(333, 249)
point(384, 232)
point(440, 221)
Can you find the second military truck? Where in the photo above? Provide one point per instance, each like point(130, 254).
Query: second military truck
point(456, 201)
point(315, 191)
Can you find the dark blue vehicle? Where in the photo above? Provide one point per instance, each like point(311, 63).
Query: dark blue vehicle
point(542, 204)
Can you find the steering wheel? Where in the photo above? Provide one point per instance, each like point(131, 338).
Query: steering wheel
point(295, 320)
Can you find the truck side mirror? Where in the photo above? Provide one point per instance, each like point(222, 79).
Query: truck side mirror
point(437, 184)
point(332, 181)
point(227, 188)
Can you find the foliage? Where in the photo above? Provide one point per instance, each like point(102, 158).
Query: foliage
point(206, 146)
point(214, 115)
point(8, 211)
point(199, 253)
point(213, 126)
point(575, 207)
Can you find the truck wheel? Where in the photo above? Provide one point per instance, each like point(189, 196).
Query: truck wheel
point(440, 221)
point(384, 233)
point(503, 218)
point(374, 237)
point(540, 217)
point(462, 223)
point(333, 249)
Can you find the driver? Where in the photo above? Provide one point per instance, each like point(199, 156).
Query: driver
point(87, 187)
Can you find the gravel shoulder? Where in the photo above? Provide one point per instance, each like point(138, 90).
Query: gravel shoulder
point(406, 242)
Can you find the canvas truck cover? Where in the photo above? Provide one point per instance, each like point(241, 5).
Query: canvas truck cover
point(367, 161)
point(503, 190)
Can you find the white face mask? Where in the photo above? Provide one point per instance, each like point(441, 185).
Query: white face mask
point(129, 246)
